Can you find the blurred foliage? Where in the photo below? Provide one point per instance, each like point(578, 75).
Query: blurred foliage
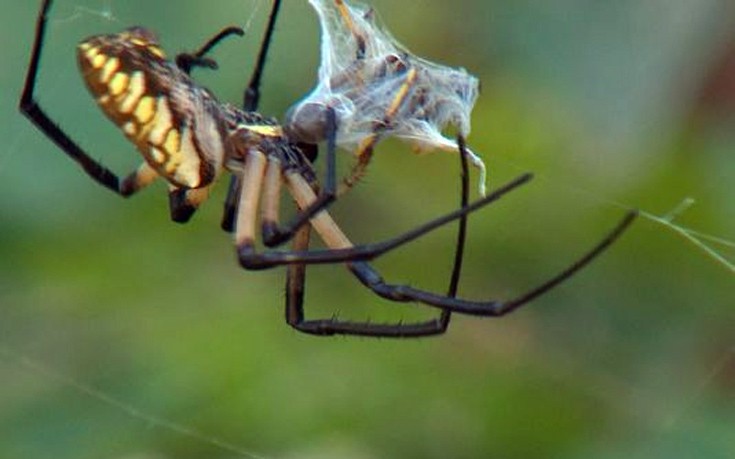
point(611, 104)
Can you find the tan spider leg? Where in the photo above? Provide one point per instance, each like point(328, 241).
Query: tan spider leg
point(365, 150)
point(322, 222)
point(252, 183)
point(272, 193)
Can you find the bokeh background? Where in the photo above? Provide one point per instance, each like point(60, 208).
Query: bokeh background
point(123, 335)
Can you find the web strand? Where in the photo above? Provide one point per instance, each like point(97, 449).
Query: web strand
point(33, 366)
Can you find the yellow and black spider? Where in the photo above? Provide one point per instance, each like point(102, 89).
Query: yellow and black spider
point(188, 139)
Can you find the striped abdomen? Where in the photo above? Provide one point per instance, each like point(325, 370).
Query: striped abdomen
point(170, 120)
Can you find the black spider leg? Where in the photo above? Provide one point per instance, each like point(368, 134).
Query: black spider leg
point(296, 280)
point(446, 314)
point(183, 202)
point(492, 308)
point(188, 61)
point(251, 99)
point(30, 108)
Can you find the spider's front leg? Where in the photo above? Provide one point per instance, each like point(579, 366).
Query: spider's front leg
point(29, 106)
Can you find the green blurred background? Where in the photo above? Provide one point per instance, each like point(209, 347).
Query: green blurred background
point(611, 104)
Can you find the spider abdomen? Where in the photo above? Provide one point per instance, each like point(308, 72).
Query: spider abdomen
point(170, 120)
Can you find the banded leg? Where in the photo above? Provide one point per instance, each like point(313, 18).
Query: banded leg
point(259, 180)
point(275, 234)
point(183, 202)
point(296, 278)
point(340, 248)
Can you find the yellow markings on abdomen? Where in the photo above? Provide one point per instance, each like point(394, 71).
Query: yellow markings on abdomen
point(172, 152)
point(146, 110)
point(185, 162)
point(98, 61)
point(118, 84)
point(173, 141)
point(167, 144)
point(162, 123)
point(136, 89)
point(110, 68)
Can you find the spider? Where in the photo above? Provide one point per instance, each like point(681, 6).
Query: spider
point(188, 139)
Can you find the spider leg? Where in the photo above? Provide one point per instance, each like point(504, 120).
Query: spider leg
point(140, 178)
point(275, 234)
point(230, 206)
point(251, 98)
point(260, 177)
point(133, 182)
point(188, 61)
point(183, 202)
point(30, 108)
point(296, 279)
point(464, 201)
point(340, 248)
point(492, 308)
point(295, 284)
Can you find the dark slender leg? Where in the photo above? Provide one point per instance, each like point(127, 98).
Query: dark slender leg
point(341, 249)
point(233, 192)
point(402, 293)
point(251, 99)
point(446, 314)
point(30, 108)
point(295, 283)
point(188, 61)
point(296, 279)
